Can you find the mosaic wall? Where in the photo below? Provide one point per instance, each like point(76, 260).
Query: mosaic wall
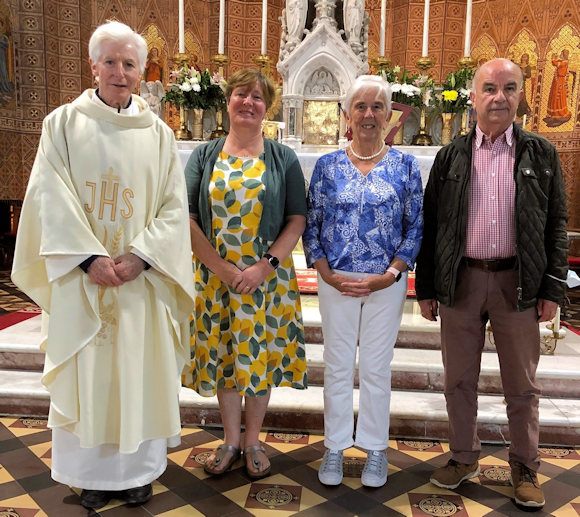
point(44, 61)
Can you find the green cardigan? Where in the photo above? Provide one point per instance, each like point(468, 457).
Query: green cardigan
point(284, 194)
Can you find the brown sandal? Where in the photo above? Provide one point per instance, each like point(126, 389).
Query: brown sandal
point(257, 463)
point(220, 453)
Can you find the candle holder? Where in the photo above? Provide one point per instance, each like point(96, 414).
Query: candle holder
point(182, 133)
point(221, 60)
point(263, 62)
point(380, 63)
point(465, 63)
point(424, 63)
point(181, 59)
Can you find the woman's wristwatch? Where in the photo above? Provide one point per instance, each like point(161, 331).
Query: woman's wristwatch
point(394, 271)
point(274, 262)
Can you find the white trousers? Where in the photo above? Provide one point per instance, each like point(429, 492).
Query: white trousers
point(104, 467)
point(373, 322)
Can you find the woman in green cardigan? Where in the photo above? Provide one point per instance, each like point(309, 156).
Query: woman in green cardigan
point(247, 207)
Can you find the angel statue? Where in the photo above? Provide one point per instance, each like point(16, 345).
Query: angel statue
point(153, 92)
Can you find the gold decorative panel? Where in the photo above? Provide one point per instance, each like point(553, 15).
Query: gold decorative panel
point(484, 50)
point(559, 101)
point(524, 52)
point(320, 122)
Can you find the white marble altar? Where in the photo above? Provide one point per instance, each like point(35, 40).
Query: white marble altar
point(424, 155)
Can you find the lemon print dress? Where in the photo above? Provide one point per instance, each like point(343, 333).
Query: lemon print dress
point(248, 342)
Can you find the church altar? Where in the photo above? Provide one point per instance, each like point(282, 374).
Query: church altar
point(425, 156)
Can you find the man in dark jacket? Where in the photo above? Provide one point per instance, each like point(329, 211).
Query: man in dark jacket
point(494, 248)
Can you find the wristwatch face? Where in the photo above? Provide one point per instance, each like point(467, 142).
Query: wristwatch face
point(274, 262)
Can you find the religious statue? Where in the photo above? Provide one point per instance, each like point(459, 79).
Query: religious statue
point(153, 66)
point(322, 82)
point(557, 111)
point(293, 24)
point(354, 11)
point(153, 92)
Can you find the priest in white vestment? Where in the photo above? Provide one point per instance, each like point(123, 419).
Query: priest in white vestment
point(104, 248)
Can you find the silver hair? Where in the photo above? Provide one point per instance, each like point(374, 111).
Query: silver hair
point(364, 82)
point(503, 60)
point(118, 32)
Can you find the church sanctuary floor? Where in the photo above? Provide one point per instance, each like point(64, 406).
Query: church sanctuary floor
point(418, 422)
point(292, 489)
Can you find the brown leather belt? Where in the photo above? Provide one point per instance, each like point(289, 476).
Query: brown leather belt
point(492, 265)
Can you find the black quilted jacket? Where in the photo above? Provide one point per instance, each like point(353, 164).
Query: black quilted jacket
point(541, 242)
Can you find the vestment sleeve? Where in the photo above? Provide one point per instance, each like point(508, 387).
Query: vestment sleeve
point(53, 222)
point(165, 240)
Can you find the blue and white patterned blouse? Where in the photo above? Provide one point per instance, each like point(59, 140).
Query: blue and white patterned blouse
point(360, 223)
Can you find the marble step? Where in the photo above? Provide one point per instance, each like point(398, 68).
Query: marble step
point(422, 370)
point(20, 346)
point(414, 414)
point(413, 369)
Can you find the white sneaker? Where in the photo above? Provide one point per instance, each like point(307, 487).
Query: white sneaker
point(375, 472)
point(330, 471)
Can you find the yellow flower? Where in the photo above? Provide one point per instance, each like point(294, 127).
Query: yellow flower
point(450, 95)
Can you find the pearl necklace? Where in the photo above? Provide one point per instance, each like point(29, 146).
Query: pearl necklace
point(370, 157)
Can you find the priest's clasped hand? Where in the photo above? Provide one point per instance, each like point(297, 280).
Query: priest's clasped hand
point(106, 272)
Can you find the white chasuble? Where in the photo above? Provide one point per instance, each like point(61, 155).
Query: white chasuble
point(108, 184)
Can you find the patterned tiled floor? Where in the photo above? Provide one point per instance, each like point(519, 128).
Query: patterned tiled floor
point(26, 489)
point(11, 298)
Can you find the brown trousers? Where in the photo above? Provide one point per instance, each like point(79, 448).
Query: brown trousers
point(481, 296)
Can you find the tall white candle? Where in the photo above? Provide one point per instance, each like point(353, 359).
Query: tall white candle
point(181, 29)
point(264, 26)
point(467, 49)
point(425, 52)
point(222, 26)
point(383, 26)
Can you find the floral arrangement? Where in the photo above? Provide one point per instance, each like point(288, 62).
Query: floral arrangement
point(403, 87)
point(454, 96)
point(194, 89)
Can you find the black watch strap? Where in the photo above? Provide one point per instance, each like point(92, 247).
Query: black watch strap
point(274, 262)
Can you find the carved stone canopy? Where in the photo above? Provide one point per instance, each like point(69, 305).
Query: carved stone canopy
point(321, 67)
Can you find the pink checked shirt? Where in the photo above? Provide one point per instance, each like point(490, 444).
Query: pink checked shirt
point(491, 230)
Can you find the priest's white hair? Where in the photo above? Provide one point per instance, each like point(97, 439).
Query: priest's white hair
point(367, 82)
point(118, 32)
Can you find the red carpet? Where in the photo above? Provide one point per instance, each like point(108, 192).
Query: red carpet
point(570, 327)
point(308, 282)
point(12, 318)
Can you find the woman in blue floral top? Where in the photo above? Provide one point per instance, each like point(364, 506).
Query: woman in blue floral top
point(363, 232)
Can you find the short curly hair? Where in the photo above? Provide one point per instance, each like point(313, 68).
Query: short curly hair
point(363, 82)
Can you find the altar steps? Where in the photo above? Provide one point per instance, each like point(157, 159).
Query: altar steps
point(417, 406)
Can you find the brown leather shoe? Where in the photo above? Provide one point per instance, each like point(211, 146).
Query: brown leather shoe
point(527, 490)
point(453, 474)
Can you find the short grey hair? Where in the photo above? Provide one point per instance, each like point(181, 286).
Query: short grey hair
point(364, 82)
point(502, 60)
point(118, 32)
